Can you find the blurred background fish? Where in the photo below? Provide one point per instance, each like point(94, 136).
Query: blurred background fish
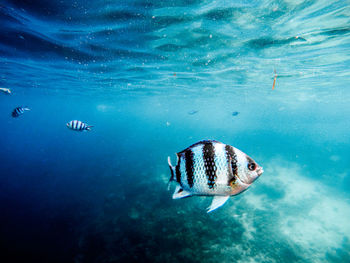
point(19, 111)
point(192, 112)
point(78, 126)
point(5, 90)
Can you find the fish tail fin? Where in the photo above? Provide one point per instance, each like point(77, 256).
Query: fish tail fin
point(26, 108)
point(88, 128)
point(172, 170)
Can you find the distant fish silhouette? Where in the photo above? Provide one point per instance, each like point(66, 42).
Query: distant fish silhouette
point(4, 90)
point(235, 113)
point(192, 112)
point(19, 111)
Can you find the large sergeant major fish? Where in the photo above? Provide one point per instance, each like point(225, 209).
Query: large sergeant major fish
point(212, 168)
point(78, 126)
point(19, 111)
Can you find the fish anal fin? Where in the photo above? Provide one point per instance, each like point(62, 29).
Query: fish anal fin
point(217, 202)
point(180, 193)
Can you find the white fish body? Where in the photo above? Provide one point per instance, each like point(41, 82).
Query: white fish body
point(212, 168)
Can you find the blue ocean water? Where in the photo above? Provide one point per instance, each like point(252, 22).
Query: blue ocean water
point(154, 77)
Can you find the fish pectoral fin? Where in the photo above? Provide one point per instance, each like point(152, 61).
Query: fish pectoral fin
point(217, 202)
point(180, 193)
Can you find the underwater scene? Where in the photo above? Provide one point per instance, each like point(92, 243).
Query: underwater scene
point(96, 95)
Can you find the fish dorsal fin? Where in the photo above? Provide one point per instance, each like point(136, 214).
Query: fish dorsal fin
point(196, 144)
point(217, 202)
point(180, 193)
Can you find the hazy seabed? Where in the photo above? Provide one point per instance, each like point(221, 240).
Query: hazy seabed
point(153, 78)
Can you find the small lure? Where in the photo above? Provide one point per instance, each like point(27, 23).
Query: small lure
point(19, 111)
point(211, 168)
point(78, 126)
point(274, 80)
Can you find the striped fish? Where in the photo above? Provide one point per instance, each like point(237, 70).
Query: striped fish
point(78, 126)
point(212, 168)
point(19, 111)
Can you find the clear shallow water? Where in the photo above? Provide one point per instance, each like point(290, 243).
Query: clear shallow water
point(136, 71)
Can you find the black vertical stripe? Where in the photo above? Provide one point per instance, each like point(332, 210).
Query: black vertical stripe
point(189, 166)
point(178, 173)
point(231, 163)
point(209, 164)
point(17, 111)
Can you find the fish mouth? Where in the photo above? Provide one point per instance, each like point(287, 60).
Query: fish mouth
point(260, 171)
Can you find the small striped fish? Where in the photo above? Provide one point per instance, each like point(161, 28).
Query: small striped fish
point(19, 111)
point(78, 126)
point(212, 168)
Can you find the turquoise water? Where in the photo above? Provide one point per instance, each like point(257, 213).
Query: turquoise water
point(154, 78)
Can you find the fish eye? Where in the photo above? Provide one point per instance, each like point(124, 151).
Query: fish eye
point(251, 166)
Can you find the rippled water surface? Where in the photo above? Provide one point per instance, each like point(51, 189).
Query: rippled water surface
point(154, 77)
